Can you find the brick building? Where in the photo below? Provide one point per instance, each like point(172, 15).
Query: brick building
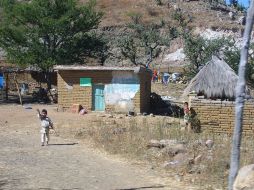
point(100, 88)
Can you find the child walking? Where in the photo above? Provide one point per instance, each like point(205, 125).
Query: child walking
point(46, 124)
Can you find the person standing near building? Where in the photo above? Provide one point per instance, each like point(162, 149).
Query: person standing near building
point(46, 124)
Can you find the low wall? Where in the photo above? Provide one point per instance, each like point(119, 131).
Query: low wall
point(219, 116)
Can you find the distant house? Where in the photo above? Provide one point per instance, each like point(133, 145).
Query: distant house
point(104, 88)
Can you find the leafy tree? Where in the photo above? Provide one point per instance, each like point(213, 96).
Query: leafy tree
point(232, 57)
point(143, 41)
point(199, 50)
point(49, 32)
point(159, 2)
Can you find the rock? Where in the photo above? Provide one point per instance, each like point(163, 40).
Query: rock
point(154, 143)
point(245, 178)
point(173, 150)
point(180, 160)
point(169, 164)
point(198, 159)
point(110, 122)
point(176, 8)
point(209, 143)
point(110, 116)
point(151, 115)
point(231, 15)
point(119, 117)
point(167, 142)
point(241, 20)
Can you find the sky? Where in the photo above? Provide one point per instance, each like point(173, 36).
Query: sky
point(243, 2)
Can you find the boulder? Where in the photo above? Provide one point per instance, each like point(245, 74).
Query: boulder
point(173, 150)
point(154, 143)
point(209, 143)
point(181, 160)
point(245, 178)
point(198, 159)
point(167, 142)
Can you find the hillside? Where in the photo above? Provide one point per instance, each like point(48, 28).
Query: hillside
point(211, 20)
point(202, 13)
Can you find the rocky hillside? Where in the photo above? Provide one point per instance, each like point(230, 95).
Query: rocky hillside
point(202, 13)
point(209, 19)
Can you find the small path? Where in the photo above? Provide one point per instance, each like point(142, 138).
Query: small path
point(64, 164)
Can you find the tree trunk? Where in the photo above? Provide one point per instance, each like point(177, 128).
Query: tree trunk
point(17, 86)
point(240, 95)
point(48, 79)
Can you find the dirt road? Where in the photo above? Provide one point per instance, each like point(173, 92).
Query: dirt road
point(64, 164)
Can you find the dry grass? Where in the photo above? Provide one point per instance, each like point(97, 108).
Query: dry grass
point(172, 89)
point(130, 136)
point(115, 13)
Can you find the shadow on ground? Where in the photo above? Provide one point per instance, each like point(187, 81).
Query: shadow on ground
point(145, 187)
point(62, 144)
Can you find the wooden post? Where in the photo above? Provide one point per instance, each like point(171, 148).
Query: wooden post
point(240, 99)
point(17, 86)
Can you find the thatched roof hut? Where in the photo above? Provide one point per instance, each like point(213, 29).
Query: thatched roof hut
point(216, 80)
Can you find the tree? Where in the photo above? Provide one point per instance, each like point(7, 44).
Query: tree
point(141, 43)
point(49, 32)
point(232, 57)
point(234, 2)
point(240, 96)
point(199, 50)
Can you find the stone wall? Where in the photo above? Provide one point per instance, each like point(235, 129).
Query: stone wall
point(219, 116)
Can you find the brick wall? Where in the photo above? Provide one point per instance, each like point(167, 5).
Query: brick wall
point(219, 116)
point(75, 94)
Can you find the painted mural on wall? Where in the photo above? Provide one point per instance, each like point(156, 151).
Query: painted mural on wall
point(122, 90)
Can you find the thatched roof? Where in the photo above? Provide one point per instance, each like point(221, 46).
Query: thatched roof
point(215, 80)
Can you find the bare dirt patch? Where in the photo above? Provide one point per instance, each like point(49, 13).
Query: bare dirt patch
point(67, 163)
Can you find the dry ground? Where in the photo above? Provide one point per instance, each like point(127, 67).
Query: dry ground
point(116, 13)
point(67, 163)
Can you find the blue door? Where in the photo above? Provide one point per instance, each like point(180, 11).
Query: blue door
point(98, 98)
